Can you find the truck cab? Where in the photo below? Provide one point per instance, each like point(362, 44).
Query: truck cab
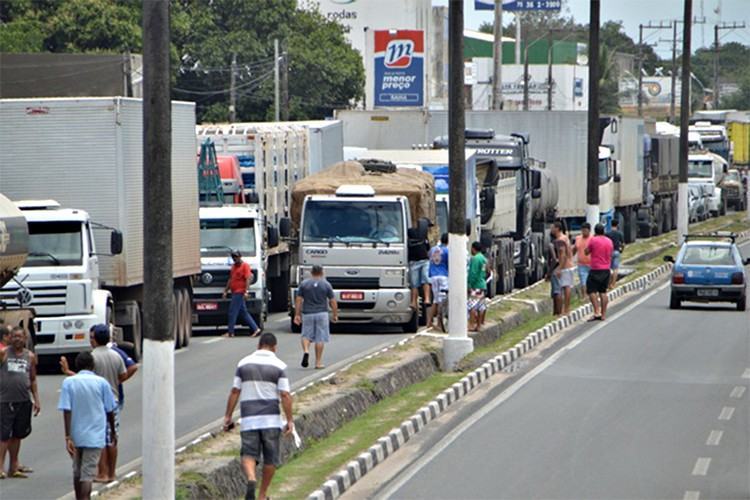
point(714, 138)
point(61, 277)
point(361, 240)
point(223, 229)
point(706, 170)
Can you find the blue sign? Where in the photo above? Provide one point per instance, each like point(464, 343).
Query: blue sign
point(442, 177)
point(515, 5)
point(399, 68)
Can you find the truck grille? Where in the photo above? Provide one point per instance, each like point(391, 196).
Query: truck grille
point(343, 283)
point(47, 300)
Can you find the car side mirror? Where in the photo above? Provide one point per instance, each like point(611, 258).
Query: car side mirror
point(285, 227)
point(669, 258)
point(272, 236)
point(115, 242)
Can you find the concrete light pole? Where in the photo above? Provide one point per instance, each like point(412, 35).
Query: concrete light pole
point(457, 344)
point(497, 58)
point(592, 161)
point(682, 186)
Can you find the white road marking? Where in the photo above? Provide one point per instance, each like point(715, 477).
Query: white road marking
point(692, 495)
point(746, 373)
point(714, 438)
point(737, 392)
point(180, 351)
point(726, 413)
point(505, 395)
point(701, 466)
point(213, 340)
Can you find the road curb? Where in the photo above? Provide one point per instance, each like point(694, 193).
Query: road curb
point(396, 438)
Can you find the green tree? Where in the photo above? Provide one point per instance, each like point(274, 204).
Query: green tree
point(733, 60)
point(741, 98)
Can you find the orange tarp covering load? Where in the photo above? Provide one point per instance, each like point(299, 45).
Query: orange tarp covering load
point(417, 186)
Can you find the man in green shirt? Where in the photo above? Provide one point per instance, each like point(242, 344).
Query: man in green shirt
point(477, 285)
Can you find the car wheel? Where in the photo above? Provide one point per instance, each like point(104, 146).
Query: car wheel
point(674, 302)
point(742, 304)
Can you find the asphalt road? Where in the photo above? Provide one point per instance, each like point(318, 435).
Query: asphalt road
point(203, 375)
point(652, 405)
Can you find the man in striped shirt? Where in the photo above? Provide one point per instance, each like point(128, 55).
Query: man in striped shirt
point(260, 383)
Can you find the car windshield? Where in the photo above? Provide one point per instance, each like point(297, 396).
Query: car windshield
point(220, 236)
point(700, 168)
point(708, 255)
point(55, 243)
point(353, 222)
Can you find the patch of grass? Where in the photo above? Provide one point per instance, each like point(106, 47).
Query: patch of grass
point(308, 470)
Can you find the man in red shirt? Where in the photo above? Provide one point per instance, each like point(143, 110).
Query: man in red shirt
point(600, 250)
point(240, 275)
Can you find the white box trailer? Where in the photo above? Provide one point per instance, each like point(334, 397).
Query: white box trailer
point(87, 155)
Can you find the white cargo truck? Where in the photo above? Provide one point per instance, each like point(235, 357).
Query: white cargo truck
point(78, 163)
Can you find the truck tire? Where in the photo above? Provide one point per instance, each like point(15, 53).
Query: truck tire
point(522, 279)
point(656, 229)
point(644, 230)
point(667, 219)
point(279, 288)
point(133, 334)
point(412, 326)
point(187, 317)
point(723, 208)
point(631, 226)
point(177, 324)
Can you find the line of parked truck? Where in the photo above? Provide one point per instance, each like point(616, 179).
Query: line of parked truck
point(73, 167)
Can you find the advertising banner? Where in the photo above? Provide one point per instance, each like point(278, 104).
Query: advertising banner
point(515, 5)
point(399, 68)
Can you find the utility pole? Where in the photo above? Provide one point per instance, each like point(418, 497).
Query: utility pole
point(276, 96)
point(526, 77)
point(519, 15)
point(497, 58)
point(458, 343)
point(717, 49)
point(158, 414)
point(682, 186)
point(285, 86)
point(233, 90)
point(592, 163)
point(550, 45)
point(673, 86)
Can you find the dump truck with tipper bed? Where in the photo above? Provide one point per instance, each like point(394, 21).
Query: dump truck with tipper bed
point(354, 221)
point(86, 261)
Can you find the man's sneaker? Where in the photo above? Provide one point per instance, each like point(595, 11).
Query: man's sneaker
point(305, 360)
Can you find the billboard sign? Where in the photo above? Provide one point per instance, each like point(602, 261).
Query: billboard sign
point(516, 5)
point(399, 68)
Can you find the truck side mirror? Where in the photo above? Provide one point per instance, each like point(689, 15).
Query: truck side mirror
point(285, 227)
point(272, 236)
point(536, 193)
point(468, 227)
point(669, 258)
point(617, 178)
point(115, 242)
point(536, 179)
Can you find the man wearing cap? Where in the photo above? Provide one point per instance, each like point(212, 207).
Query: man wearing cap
point(240, 275)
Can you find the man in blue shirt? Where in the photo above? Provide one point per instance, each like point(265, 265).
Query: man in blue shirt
point(88, 404)
point(439, 280)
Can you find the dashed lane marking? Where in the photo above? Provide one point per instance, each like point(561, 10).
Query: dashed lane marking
point(692, 495)
point(714, 438)
point(212, 341)
point(181, 351)
point(701, 466)
point(746, 373)
point(737, 392)
point(726, 413)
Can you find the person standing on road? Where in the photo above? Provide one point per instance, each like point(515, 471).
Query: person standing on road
point(551, 276)
point(419, 269)
point(260, 381)
point(477, 285)
point(88, 407)
point(240, 276)
point(567, 273)
point(314, 295)
point(600, 249)
point(17, 388)
point(579, 251)
point(438, 280)
point(562, 273)
point(618, 242)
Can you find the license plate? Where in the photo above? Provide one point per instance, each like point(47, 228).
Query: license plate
point(352, 296)
point(708, 292)
point(206, 306)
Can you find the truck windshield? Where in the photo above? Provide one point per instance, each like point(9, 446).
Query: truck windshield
point(220, 236)
point(442, 216)
point(700, 168)
point(55, 243)
point(353, 222)
point(718, 145)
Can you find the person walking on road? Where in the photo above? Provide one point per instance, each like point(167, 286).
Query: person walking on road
point(438, 280)
point(260, 381)
point(600, 249)
point(88, 407)
point(240, 276)
point(419, 269)
point(477, 285)
point(19, 398)
point(314, 295)
point(618, 242)
point(579, 251)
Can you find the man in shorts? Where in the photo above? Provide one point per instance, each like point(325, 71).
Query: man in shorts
point(579, 251)
point(17, 387)
point(563, 272)
point(419, 269)
point(618, 241)
point(314, 295)
point(477, 287)
point(260, 382)
point(600, 249)
point(438, 280)
point(88, 407)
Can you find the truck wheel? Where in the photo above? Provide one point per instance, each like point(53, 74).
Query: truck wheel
point(134, 335)
point(644, 230)
point(522, 279)
point(413, 325)
point(742, 304)
point(667, 219)
point(674, 302)
point(187, 317)
point(723, 209)
point(658, 220)
point(279, 288)
point(631, 226)
point(176, 326)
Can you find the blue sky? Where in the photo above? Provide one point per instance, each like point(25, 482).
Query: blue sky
point(635, 12)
